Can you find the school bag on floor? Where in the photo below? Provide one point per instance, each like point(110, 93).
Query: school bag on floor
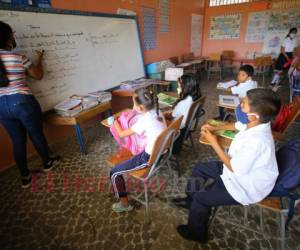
point(134, 143)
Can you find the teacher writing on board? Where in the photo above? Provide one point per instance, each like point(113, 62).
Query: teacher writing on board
point(286, 55)
point(20, 113)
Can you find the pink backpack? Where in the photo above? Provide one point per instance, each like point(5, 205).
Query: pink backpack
point(134, 143)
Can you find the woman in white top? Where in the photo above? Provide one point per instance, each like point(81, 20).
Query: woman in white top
point(286, 54)
point(188, 91)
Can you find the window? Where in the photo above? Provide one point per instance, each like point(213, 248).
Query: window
point(227, 2)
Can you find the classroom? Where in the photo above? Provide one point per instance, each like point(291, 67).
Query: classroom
point(150, 124)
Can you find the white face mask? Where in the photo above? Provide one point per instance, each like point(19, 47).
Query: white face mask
point(293, 35)
point(256, 115)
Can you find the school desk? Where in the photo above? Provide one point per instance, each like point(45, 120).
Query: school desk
point(78, 119)
point(225, 142)
point(116, 115)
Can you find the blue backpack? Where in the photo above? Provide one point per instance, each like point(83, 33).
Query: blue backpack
point(288, 160)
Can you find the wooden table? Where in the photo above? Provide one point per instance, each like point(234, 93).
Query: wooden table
point(78, 119)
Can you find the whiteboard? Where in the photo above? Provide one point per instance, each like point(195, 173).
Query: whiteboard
point(83, 53)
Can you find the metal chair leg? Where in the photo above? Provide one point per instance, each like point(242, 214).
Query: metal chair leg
point(282, 231)
point(261, 222)
point(146, 201)
point(192, 142)
point(245, 214)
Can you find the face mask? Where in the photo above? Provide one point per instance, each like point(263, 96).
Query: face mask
point(179, 91)
point(256, 115)
point(292, 35)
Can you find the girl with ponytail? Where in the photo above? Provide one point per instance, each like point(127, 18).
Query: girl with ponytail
point(150, 124)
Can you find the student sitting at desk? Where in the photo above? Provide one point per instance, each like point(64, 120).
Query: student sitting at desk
point(151, 124)
point(244, 83)
point(246, 175)
point(188, 91)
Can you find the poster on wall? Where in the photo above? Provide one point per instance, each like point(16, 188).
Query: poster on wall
point(257, 26)
point(196, 34)
point(225, 27)
point(279, 24)
point(164, 16)
point(149, 28)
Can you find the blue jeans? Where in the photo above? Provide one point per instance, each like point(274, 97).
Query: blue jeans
point(21, 114)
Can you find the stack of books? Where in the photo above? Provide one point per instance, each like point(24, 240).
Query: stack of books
point(102, 96)
point(87, 101)
point(224, 133)
point(69, 107)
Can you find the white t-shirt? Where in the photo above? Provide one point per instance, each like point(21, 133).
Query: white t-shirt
point(151, 127)
point(254, 165)
point(242, 88)
point(289, 44)
point(182, 108)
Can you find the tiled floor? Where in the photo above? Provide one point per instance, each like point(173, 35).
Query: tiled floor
point(70, 208)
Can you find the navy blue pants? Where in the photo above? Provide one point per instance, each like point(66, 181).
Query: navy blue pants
point(202, 199)
point(116, 174)
point(21, 114)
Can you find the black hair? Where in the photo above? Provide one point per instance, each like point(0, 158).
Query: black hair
point(248, 69)
point(6, 33)
point(148, 100)
point(190, 85)
point(291, 31)
point(265, 103)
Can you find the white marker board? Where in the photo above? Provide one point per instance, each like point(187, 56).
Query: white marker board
point(83, 52)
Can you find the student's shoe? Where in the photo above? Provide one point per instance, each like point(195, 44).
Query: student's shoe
point(26, 181)
point(53, 162)
point(119, 208)
point(185, 233)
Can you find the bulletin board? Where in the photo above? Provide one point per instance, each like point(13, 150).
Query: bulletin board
point(257, 26)
point(279, 24)
point(225, 27)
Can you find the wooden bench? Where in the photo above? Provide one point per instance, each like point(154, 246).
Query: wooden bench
point(55, 119)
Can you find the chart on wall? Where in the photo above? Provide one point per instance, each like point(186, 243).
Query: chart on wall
point(257, 26)
point(225, 27)
point(196, 34)
point(149, 28)
point(279, 24)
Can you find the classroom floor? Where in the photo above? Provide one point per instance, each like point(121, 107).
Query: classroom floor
point(69, 209)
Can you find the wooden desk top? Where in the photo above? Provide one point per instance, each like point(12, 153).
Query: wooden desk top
point(116, 115)
point(83, 116)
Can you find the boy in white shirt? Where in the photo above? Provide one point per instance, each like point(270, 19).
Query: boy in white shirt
point(244, 83)
point(246, 175)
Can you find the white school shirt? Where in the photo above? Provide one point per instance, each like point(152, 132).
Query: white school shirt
point(242, 88)
point(289, 44)
point(254, 165)
point(151, 127)
point(182, 108)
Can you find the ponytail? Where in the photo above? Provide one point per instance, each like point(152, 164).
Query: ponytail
point(156, 105)
point(4, 81)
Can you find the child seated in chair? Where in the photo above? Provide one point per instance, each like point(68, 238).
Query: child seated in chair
point(246, 175)
point(294, 76)
point(151, 124)
point(244, 83)
point(188, 91)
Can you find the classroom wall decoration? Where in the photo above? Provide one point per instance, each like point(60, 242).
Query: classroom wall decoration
point(279, 24)
point(164, 16)
point(149, 28)
point(196, 34)
point(225, 27)
point(257, 26)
